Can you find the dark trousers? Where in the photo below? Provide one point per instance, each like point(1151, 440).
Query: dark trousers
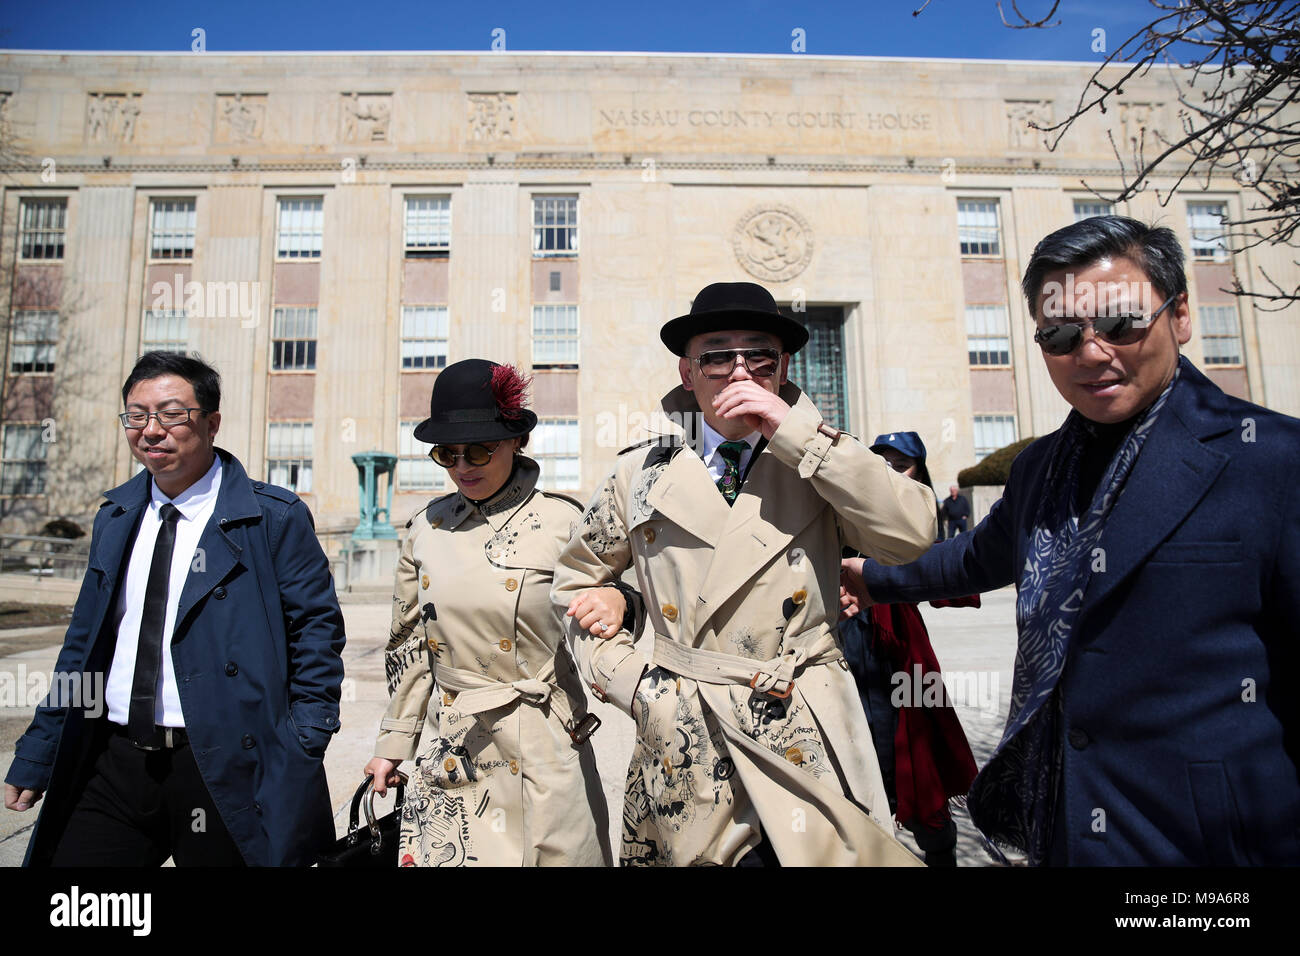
point(141, 806)
point(956, 526)
point(764, 854)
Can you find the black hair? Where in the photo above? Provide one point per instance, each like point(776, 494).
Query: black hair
point(1153, 248)
point(201, 375)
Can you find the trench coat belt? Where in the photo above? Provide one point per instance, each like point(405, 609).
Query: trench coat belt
point(476, 693)
point(770, 677)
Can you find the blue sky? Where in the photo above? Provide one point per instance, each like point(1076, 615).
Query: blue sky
point(946, 28)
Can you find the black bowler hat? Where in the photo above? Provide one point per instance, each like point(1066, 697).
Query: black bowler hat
point(476, 401)
point(725, 306)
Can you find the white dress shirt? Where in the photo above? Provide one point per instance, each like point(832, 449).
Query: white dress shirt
point(195, 504)
point(709, 442)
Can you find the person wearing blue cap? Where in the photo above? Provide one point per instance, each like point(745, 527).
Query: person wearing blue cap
point(923, 753)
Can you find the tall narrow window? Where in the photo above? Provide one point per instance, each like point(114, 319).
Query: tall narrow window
point(289, 455)
point(555, 225)
point(428, 227)
point(1087, 208)
point(977, 227)
point(556, 444)
point(42, 223)
point(424, 336)
point(988, 341)
point(818, 368)
point(293, 339)
point(165, 330)
point(171, 229)
point(416, 471)
point(555, 335)
point(1205, 222)
point(22, 464)
point(299, 227)
point(33, 342)
point(993, 432)
point(1220, 334)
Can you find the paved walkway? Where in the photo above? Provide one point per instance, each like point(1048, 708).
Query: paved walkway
point(976, 648)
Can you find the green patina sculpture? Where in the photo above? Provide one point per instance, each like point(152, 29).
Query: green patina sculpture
point(376, 522)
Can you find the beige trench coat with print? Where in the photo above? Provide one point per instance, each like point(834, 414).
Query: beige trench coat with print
point(731, 592)
point(484, 690)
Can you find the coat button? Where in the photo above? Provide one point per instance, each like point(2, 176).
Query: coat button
point(668, 766)
point(1078, 739)
point(259, 484)
point(514, 766)
point(649, 535)
point(424, 582)
point(231, 669)
point(799, 596)
point(669, 611)
point(505, 644)
point(448, 698)
point(257, 808)
point(248, 742)
point(219, 593)
point(794, 755)
point(433, 644)
point(511, 584)
point(435, 523)
point(449, 764)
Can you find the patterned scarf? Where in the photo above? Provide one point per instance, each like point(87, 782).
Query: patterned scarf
point(1014, 798)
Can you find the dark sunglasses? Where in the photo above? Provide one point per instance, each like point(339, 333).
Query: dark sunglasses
point(1064, 338)
point(718, 363)
point(475, 454)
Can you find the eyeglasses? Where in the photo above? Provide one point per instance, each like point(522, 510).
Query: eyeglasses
point(166, 418)
point(718, 363)
point(475, 454)
point(1064, 338)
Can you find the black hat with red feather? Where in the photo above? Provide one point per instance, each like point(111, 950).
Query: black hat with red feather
point(476, 401)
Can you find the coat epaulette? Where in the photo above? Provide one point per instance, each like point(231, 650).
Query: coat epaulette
point(666, 440)
point(274, 491)
point(428, 506)
point(573, 501)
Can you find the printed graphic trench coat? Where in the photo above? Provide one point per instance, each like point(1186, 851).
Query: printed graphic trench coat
point(483, 689)
point(728, 590)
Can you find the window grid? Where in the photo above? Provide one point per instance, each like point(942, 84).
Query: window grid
point(299, 228)
point(556, 444)
point(289, 455)
point(977, 227)
point(293, 339)
point(424, 336)
point(988, 340)
point(42, 226)
point(1087, 208)
point(428, 226)
point(555, 226)
point(171, 229)
point(1220, 334)
point(34, 341)
point(993, 432)
point(555, 335)
point(416, 471)
point(1205, 221)
point(165, 330)
point(22, 460)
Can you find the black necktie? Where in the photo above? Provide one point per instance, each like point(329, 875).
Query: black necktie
point(148, 653)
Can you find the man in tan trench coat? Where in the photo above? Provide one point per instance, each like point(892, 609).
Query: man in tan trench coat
point(752, 747)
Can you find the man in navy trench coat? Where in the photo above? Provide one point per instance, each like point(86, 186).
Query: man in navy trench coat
point(256, 650)
point(1154, 714)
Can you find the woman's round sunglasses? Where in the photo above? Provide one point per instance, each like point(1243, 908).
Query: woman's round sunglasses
point(1064, 338)
point(475, 454)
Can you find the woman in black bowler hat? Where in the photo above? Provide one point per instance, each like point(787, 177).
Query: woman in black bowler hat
point(484, 695)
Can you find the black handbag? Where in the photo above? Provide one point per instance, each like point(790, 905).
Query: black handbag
point(373, 845)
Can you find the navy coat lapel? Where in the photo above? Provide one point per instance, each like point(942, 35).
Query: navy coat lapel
point(220, 552)
point(1172, 474)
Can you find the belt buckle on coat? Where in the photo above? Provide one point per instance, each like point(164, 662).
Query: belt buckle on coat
point(581, 731)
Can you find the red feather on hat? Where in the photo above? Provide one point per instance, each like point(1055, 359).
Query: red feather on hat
point(509, 389)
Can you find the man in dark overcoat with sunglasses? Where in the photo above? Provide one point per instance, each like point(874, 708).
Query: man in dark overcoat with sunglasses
point(1155, 547)
point(752, 747)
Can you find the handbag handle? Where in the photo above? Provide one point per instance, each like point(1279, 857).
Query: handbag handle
point(367, 790)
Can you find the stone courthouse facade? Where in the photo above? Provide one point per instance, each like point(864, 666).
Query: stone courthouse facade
point(332, 229)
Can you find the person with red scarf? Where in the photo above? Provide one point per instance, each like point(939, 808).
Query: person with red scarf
point(923, 753)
